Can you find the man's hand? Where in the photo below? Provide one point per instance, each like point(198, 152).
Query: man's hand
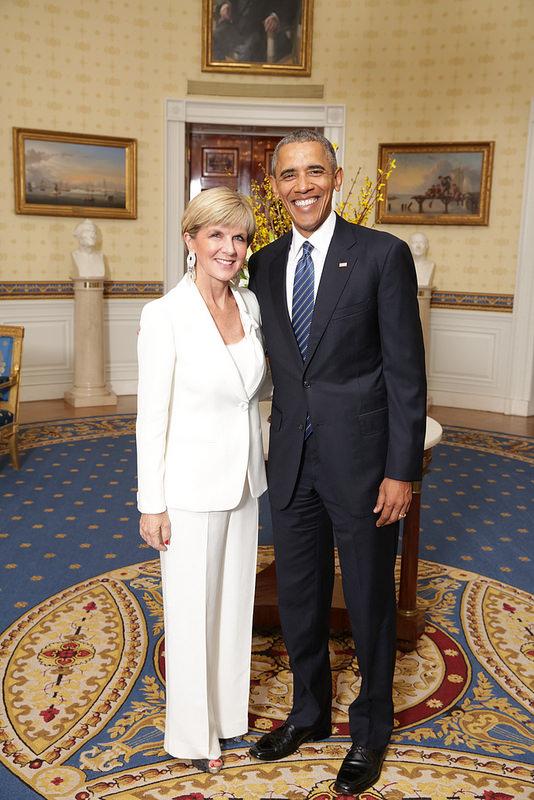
point(271, 23)
point(394, 498)
point(155, 529)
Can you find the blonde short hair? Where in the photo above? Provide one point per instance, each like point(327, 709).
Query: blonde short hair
point(219, 206)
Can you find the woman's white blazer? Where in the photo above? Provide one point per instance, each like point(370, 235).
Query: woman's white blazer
point(198, 432)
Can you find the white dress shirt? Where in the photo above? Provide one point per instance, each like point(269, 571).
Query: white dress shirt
point(320, 239)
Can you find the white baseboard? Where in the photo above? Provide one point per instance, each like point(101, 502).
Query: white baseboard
point(520, 408)
point(468, 400)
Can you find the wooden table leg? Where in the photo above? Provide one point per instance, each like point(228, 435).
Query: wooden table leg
point(266, 602)
point(266, 599)
point(410, 619)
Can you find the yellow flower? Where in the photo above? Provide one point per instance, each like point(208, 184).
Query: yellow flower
point(272, 220)
point(368, 196)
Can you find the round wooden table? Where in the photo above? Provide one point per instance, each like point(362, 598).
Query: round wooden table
point(410, 619)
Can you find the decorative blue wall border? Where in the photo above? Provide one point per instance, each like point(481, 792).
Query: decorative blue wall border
point(39, 290)
point(473, 301)
point(31, 290)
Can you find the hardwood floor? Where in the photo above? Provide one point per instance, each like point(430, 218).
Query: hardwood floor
point(46, 410)
point(484, 420)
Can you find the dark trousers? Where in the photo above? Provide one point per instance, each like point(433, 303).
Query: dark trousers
point(304, 550)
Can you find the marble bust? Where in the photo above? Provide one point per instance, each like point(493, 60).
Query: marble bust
point(88, 260)
point(423, 266)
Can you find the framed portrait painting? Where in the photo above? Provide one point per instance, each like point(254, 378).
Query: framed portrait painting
point(436, 184)
point(268, 37)
point(74, 174)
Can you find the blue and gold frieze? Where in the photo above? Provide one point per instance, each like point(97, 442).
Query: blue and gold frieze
point(45, 290)
point(473, 301)
point(29, 290)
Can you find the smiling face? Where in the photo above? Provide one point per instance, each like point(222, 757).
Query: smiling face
point(305, 183)
point(220, 251)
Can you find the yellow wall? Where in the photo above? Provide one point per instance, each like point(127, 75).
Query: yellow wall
point(409, 70)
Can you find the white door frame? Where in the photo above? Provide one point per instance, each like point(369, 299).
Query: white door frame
point(331, 118)
point(521, 397)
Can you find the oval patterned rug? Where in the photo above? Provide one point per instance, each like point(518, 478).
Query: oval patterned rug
point(83, 654)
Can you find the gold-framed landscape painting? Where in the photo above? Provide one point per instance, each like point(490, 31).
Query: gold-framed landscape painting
point(446, 183)
point(74, 174)
point(257, 37)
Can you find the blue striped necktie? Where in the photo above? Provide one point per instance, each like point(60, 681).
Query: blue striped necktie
point(303, 300)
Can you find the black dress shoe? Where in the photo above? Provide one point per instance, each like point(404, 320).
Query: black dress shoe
point(285, 740)
point(360, 769)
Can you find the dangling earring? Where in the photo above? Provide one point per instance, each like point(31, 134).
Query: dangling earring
point(191, 261)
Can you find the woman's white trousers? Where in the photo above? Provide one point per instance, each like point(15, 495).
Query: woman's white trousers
point(208, 577)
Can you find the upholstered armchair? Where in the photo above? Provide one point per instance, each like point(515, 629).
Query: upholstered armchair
point(10, 359)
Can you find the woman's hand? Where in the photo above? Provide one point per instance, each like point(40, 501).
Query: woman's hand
point(155, 529)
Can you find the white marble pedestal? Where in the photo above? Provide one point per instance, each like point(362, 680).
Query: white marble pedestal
point(89, 385)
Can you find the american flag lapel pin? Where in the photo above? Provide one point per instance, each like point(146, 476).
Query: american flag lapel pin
point(342, 264)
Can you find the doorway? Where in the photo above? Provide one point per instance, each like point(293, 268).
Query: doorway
point(232, 156)
point(235, 117)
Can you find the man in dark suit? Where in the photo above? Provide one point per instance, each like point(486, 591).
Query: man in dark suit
point(341, 323)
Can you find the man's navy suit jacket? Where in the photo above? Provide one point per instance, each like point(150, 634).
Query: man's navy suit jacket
point(363, 382)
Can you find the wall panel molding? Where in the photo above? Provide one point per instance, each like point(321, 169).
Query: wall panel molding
point(469, 363)
point(469, 357)
point(48, 356)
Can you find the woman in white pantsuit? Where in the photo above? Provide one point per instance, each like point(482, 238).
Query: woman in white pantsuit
point(200, 472)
